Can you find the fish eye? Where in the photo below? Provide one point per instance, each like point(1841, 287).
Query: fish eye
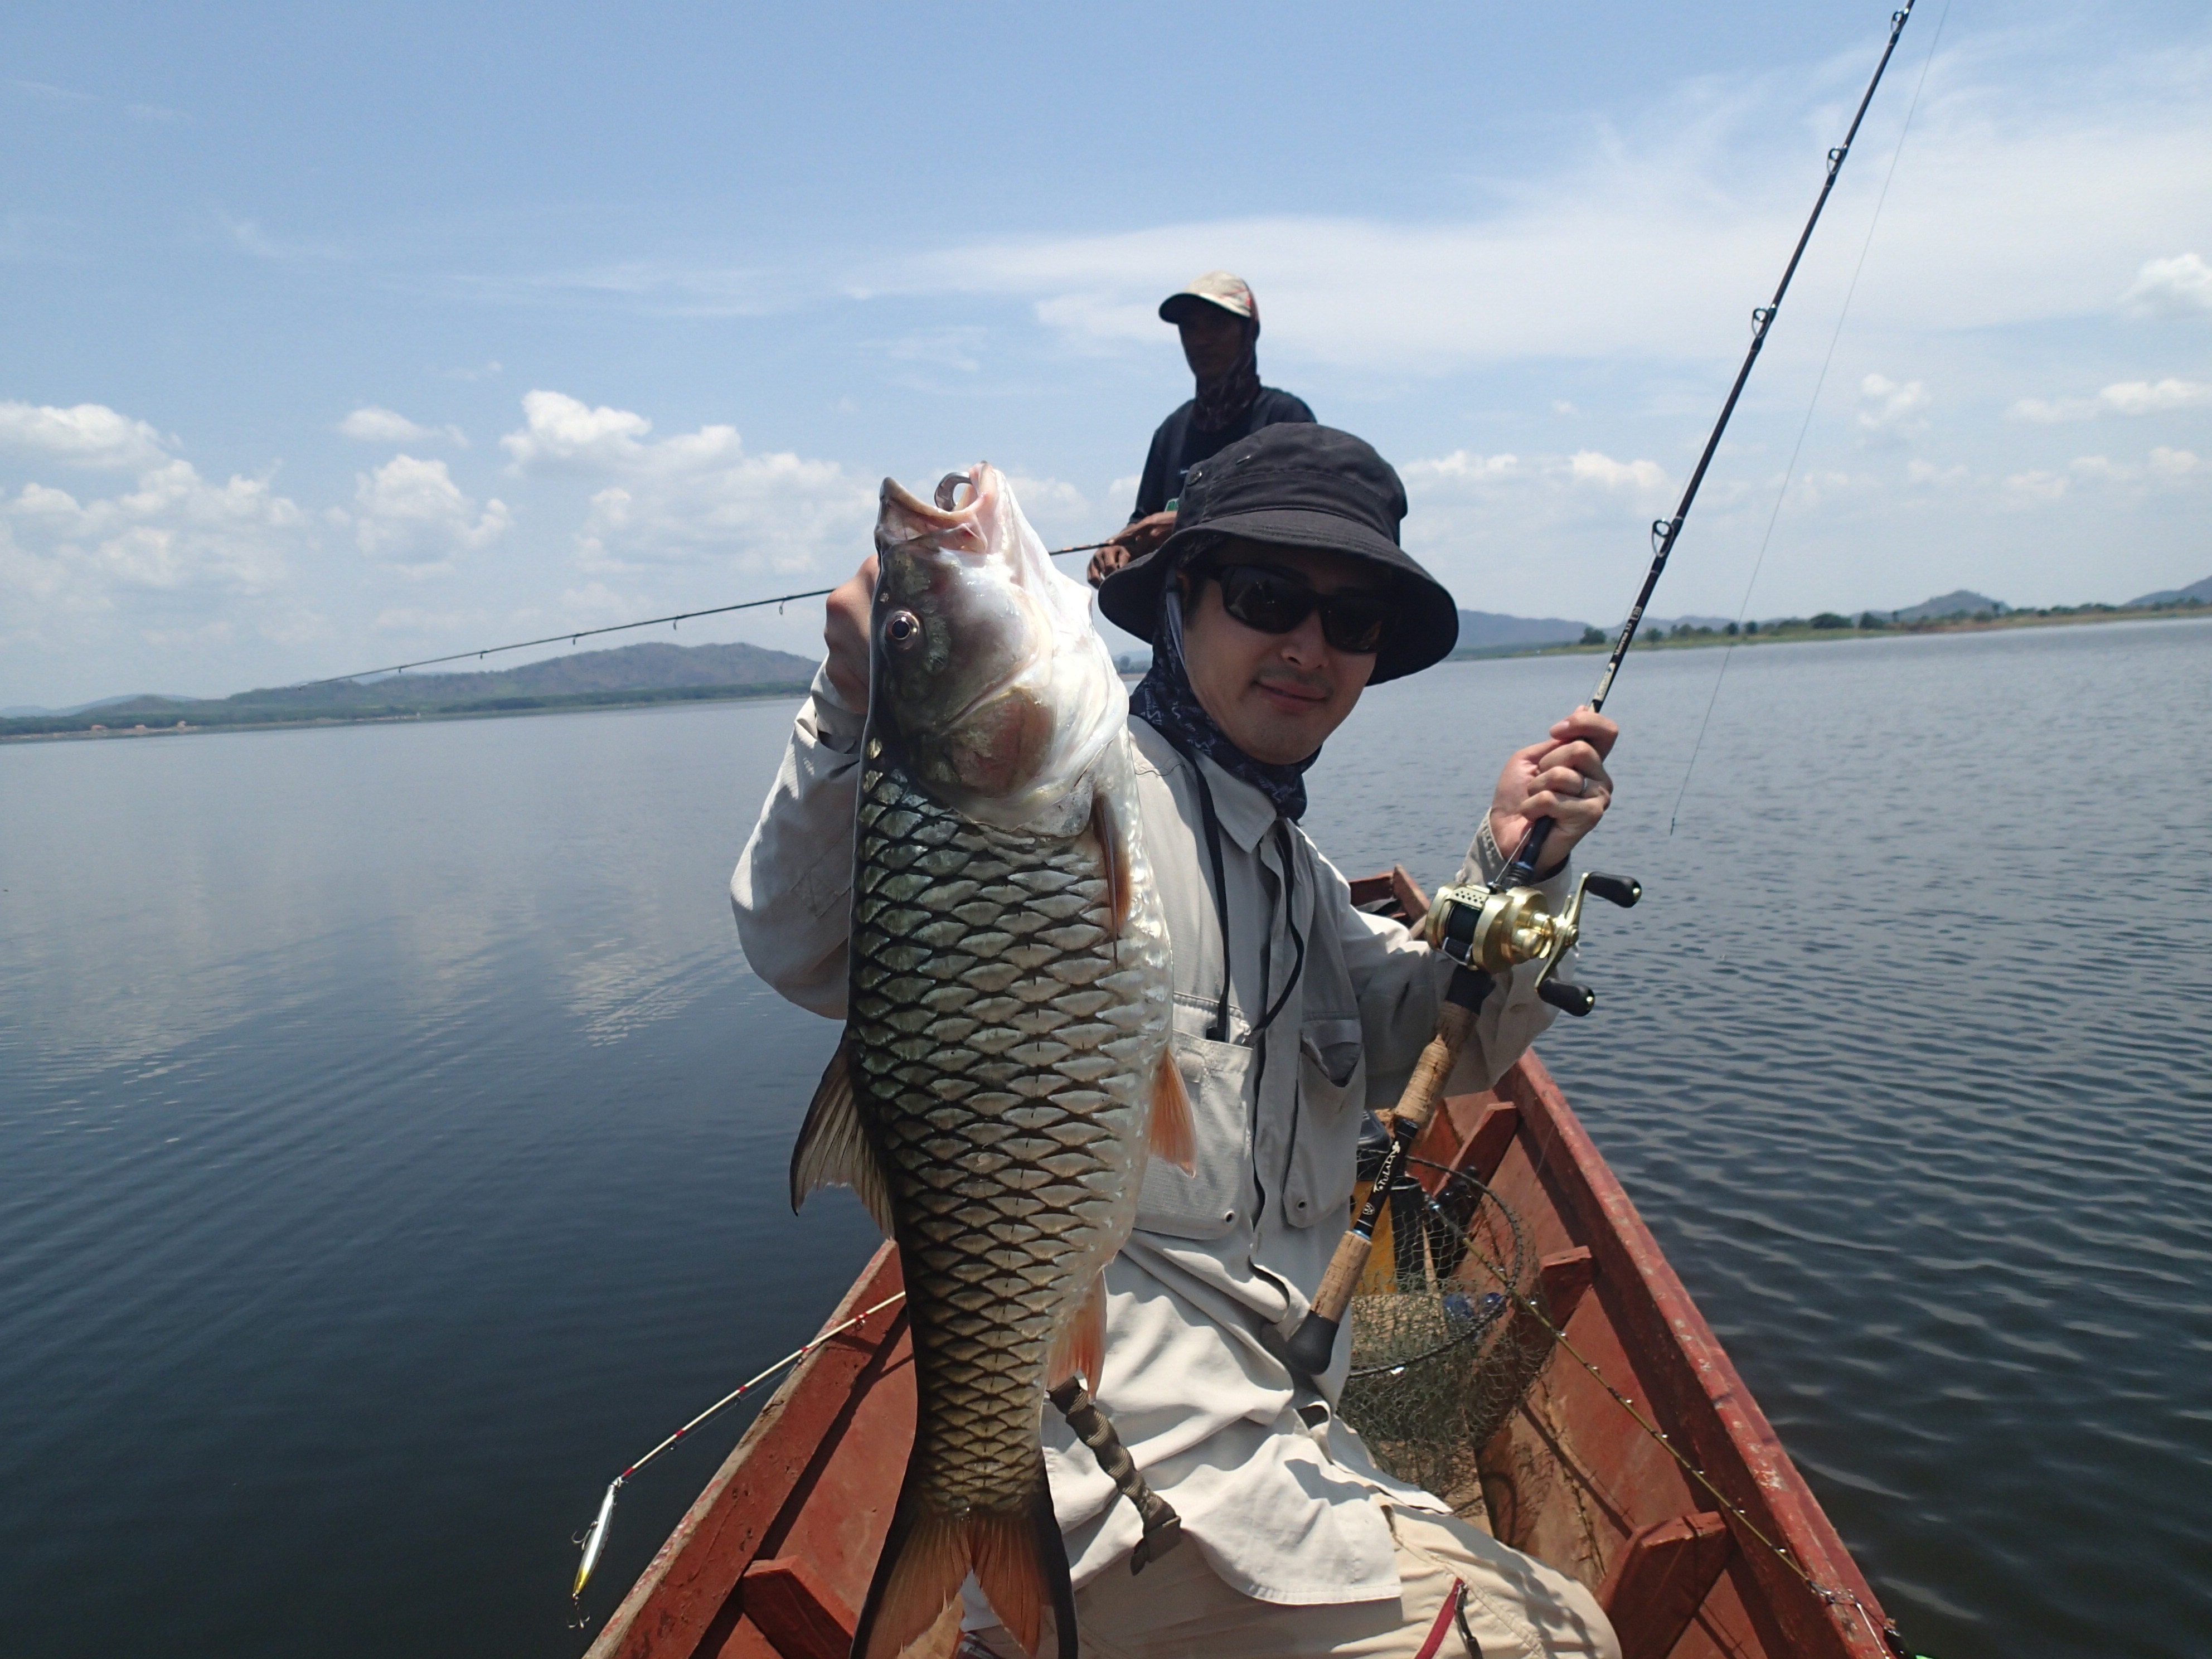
point(902, 627)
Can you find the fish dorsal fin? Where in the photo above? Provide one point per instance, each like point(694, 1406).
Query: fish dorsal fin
point(1171, 1134)
point(1114, 845)
point(833, 1149)
point(1080, 1347)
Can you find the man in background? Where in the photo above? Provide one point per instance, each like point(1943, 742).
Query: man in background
point(1219, 322)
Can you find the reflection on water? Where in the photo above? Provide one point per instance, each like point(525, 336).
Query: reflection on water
point(392, 1142)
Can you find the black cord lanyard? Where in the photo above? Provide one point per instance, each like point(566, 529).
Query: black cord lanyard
point(1210, 819)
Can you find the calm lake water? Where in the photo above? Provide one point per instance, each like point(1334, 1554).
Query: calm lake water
point(393, 1138)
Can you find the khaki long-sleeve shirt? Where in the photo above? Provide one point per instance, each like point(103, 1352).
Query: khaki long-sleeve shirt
point(1222, 1263)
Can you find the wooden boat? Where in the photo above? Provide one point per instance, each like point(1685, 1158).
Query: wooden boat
point(774, 1557)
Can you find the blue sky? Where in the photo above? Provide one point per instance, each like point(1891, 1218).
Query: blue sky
point(336, 337)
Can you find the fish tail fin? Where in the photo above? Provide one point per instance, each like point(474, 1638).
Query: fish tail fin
point(1021, 1562)
point(913, 1601)
point(1017, 1556)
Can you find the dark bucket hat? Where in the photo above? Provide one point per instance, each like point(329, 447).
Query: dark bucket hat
point(1299, 485)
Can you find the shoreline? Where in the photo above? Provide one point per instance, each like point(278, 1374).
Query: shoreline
point(597, 702)
point(1803, 633)
point(579, 702)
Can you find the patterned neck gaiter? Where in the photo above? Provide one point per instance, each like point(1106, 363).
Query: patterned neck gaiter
point(1164, 698)
point(1223, 401)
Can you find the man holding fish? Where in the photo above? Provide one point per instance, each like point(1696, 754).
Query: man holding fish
point(1068, 932)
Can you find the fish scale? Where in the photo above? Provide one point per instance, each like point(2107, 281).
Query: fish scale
point(999, 1071)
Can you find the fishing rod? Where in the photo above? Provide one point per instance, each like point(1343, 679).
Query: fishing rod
point(1489, 929)
point(1665, 531)
point(594, 1539)
point(614, 628)
point(1163, 1526)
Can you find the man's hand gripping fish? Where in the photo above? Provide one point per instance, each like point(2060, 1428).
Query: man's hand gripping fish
point(1006, 1065)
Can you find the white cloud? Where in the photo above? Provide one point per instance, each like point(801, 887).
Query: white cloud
point(1048, 497)
point(1463, 470)
point(1927, 472)
point(410, 512)
point(559, 431)
point(1462, 467)
point(2174, 463)
point(174, 532)
point(2036, 486)
point(1587, 466)
point(692, 495)
point(2145, 398)
point(1632, 248)
point(2179, 287)
point(2123, 397)
point(1889, 410)
point(373, 425)
point(249, 237)
point(87, 434)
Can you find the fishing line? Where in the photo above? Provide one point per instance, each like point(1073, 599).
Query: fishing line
point(613, 628)
point(594, 1539)
point(1820, 380)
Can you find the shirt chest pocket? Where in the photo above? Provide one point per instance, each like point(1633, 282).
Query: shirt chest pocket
point(1206, 1203)
point(1332, 1094)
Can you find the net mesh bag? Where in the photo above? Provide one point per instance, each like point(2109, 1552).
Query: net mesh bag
point(1439, 1360)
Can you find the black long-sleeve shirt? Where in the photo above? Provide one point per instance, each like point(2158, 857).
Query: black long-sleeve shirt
point(1177, 446)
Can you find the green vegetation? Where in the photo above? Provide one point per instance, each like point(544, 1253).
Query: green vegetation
point(157, 715)
point(1828, 625)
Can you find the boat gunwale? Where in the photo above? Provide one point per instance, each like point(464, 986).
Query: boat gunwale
point(1706, 1393)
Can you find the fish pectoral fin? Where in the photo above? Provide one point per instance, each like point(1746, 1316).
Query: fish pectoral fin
point(1080, 1347)
point(1114, 845)
point(833, 1149)
point(1171, 1134)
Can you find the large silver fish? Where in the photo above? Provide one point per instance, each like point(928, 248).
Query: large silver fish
point(1005, 1067)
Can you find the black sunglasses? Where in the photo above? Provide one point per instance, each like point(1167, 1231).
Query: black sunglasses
point(1275, 602)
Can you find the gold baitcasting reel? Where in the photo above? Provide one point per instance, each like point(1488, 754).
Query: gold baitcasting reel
point(1499, 928)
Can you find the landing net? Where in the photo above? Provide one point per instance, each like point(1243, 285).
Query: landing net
point(1440, 1355)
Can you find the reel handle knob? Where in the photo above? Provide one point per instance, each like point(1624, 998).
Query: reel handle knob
point(1568, 999)
point(1623, 890)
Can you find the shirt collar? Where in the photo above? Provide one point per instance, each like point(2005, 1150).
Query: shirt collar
point(1245, 811)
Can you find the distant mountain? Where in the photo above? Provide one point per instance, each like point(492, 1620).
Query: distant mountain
point(1482, 629)
point(2202, 591)
point(1672, 623)
point(1960, 602)
point(654, 667)
point(653, 672)
point(26, 711)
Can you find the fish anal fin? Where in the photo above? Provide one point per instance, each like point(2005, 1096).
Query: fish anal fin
point(833, 1149)
point(1080, 1347)
point(1114, 849)
point(923, 1564)
point(1171, 1133)
point(1021, 1562)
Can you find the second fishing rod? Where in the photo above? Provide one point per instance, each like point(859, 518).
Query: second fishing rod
point(1490, 930)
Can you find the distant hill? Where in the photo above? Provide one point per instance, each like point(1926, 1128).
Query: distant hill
point(1481, 630)
point(2200, 592)
point(1960, 602)
point(632, 673)
point(23, 711)
point(654, 667)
